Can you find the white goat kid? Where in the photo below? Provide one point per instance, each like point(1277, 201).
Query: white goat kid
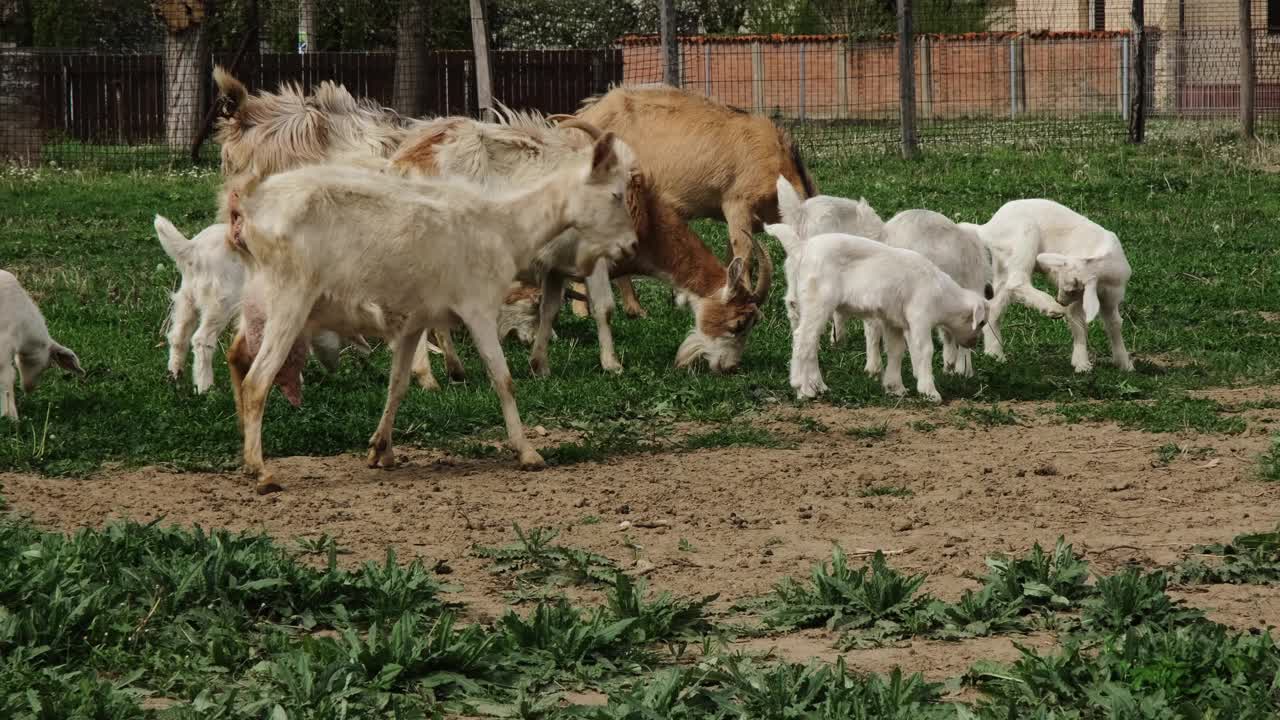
point(24, 338)
point(959, 252)
point(212, 280)
point(1083, 259)
point(370, 253)
point(900, 289)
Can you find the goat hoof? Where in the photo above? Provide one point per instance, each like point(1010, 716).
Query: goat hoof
point(636, 312)
point(428, 382)
point(871, 371)
point(611, 366)
point(266, 486)
point(531, 460)
point(539, 367)
point(458, 375)
point(1082, 367)
point(1123, 363)
point(895, 390)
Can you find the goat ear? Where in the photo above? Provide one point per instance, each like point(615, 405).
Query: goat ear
point(785, 235)
point(789, 202)
point(988, 292)
point(1091, 304)
point(979, 313)
point(65, 358)
point(603, 158)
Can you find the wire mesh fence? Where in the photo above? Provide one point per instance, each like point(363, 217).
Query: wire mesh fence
point(982, 72)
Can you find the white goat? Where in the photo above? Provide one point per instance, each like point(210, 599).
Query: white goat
point(24, 338)
point(364, 252)
point(900, 289)
point(957, 251)
point(212, 279)
point(1083, 259)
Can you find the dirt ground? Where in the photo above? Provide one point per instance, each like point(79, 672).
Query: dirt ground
point(753, 515)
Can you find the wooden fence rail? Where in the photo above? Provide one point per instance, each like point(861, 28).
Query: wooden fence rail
point(119, 99)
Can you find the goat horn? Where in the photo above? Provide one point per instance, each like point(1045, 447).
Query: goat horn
point(560, 117)
point(764, 275)
point(584, 126)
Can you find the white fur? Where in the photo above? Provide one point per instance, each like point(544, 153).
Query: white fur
point(905, 293)
point(513, 154)
point(1083, 259)
point(25, 340)
point(212, 280)
point(358, 251)
point(957, 251)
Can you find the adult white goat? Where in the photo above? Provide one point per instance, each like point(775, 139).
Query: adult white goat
point(525, 147)
point(957, 251)
point(212, 279)
point(1084, 260)
point(365, 252)
point(24, 338)
point(900, 289)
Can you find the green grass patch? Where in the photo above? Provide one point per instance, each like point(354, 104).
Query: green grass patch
point(885, 490)
point(869, 432)
point(987, 417)
point(1163, 415)
point(83, 244)
point(1269, 462)
point(733, 435)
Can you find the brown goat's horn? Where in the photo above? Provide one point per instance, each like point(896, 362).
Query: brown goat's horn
point(584, 126)
point(764, 275)
point(560, 117)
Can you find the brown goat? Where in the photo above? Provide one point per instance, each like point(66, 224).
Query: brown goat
point(707, 159)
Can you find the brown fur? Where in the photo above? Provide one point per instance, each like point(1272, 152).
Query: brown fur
point(707, 159)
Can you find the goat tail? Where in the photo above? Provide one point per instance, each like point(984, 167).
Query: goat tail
point(797, 163)
point(231, 92)
point(175, 244)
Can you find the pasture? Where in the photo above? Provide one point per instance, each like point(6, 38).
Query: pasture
point(644, 574)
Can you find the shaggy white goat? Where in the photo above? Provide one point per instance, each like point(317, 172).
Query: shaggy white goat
point(901, 289)
point(364, 252)
point(1083, 259)
point(24, 338)
point(212, 279)
point(957, 251)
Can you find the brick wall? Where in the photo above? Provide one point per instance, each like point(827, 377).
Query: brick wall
point(956, 76)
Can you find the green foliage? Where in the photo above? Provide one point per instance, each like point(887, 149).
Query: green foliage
point(1040, 580)
point(1269, 462)
point(1132, 598)
point(1199, 670)
point(840, 597)
point(732, 435)
point(534, 560)
point(883, 490)
point(1252, 558)
point(869, 432)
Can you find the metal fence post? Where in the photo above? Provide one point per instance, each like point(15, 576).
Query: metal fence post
point(1247, 75)
point(1124, 78)
point(907, 80)
point(1013, 79)
point(669, 42)
point(706, 68)
point(1138, 75)
point(757, 77)
point(842, 80)
point(802, 81)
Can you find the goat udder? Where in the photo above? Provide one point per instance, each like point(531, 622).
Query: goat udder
point(289, 377)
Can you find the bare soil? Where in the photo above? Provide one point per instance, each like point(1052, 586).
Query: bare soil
point(750, 516)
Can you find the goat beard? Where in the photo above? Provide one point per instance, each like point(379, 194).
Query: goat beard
point(289, 377)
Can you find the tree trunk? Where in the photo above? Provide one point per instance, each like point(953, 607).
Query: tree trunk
point(411, 58)
point(484, 75)
point(306, 26)
point(185, 53)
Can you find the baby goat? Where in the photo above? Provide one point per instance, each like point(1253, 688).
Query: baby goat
point(957, 251)
point(24, 338)
point(212, 280)
point(359, 251)
point(900, 289)
point(1083, 259)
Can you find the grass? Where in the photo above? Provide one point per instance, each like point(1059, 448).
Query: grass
point(884, 490)
point(733, 435)
point(82, 243)
point(869, 432)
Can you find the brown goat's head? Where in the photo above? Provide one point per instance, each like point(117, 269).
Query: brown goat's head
point(724, 320)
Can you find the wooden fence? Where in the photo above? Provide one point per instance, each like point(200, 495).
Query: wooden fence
point(119, 99)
